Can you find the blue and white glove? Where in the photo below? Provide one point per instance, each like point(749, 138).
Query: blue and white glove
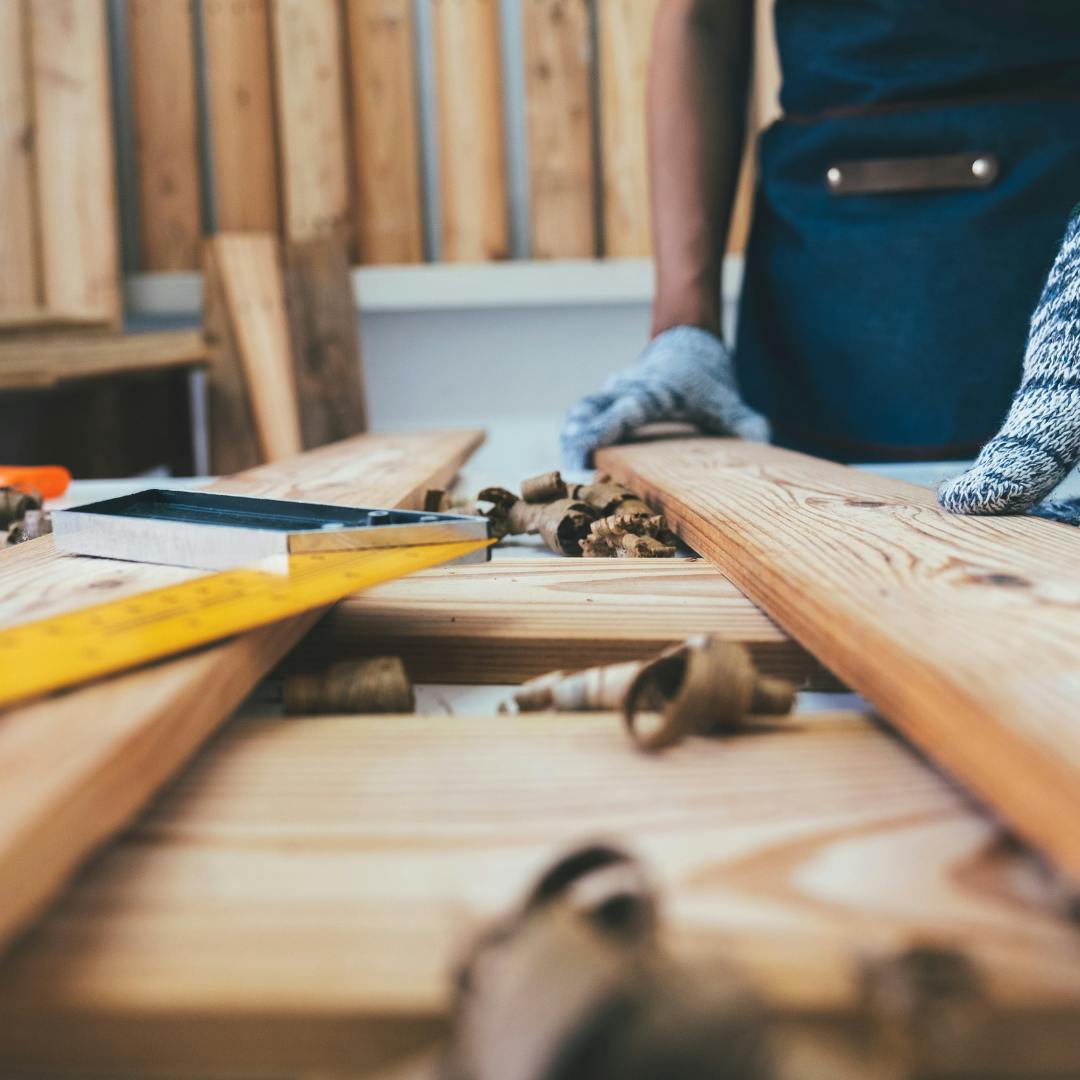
point(685, 373)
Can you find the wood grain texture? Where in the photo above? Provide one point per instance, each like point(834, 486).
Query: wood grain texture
point(234, 442)
point(70, 783)
point(963, 632)
point(302, 872)
point(472, 154)
point(41, 362)
point(162, 53)
point(325, 333)
point(559, 115)
point(74, 162)
point(388, 213)
point(253, 289)
point(511, 619)
point(624, 32)
point(240, 104)
point(309, 79)
point(19, 267)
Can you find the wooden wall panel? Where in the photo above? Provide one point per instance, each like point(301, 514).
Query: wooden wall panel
point(309, 78)
point(18, 252)
point(75, 166)
point(624, 33)
point(163, 95)
point(472, 154)
point(388, 213)
point(240, 103)
point(559, 112)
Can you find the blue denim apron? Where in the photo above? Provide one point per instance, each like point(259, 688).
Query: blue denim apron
point(891, 326)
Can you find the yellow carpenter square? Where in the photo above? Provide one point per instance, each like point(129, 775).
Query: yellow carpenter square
point(65, 650)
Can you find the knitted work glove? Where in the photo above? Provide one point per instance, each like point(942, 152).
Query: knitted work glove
point(685, 373)
point(1039, 442)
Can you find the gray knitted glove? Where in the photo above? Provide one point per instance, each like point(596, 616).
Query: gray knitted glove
point(1039, 442)
point(685, 373)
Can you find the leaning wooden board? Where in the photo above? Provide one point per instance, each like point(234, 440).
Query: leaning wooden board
point(516, 618)
point(78, 766)
point(963, 632)
point(292, 904)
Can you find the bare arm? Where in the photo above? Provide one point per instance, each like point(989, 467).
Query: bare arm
point(696, 109)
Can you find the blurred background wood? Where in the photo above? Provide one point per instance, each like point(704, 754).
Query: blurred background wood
point(559, 114)
point(310, 104)
point(240, 106)
point(389, 225)
point(19, 265)
point(74, 157)
point(625, 35)
point(161, 42)
point(472, 153)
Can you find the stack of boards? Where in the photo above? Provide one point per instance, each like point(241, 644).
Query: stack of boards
point(292, 902)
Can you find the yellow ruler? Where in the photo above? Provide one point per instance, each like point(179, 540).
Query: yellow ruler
point(65, 650)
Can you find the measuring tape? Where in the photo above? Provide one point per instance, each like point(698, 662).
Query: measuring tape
point(65, 650)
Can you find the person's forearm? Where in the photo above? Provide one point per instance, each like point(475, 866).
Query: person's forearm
point(696, 110)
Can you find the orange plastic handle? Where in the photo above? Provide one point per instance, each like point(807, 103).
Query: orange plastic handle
point(50, 481)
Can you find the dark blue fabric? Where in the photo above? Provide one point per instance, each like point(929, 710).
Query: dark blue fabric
point(885, 327)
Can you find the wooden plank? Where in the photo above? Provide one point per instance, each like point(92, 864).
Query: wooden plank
point(559, 113)
point(385, 132)
point(70, 784)
point(624, 32)
point(325, 333)
point(74, 164)
point(963, 632)
point(472, 155)
point(162, 53)
point(40, 362)
point(23, 321)
point(512, 619)
point(292, 905)
point(234, 443)
point(19, 267)
point(249, 267)
point(240, 104)
point(309, 78)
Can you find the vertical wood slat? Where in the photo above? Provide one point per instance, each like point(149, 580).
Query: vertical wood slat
point(74, 167)
point(559, 112)
point(385, 132)
point(764, 109)
point(624, 33)
point(160, 33)
point(240, 103)
point(18, 250)
point(472, 154)
point(309, 79)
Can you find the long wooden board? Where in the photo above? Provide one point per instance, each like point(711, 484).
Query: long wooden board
point(385, 132)
point(163, 97)
point(292, 905)
point(19, 267)
point(472, 154)
point(240, 104)
point(76, 767)
point(312, 130)
point(74, 165)
point(512, 619)
point(964, 632)
point(559, 114)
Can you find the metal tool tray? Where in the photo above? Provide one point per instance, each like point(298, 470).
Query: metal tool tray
point(212, 531)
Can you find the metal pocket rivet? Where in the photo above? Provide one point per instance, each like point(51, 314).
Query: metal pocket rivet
point(981, 168)
point(833, 177)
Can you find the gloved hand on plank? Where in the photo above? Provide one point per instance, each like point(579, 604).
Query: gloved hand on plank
point(1039, 443)
point(685, 373)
